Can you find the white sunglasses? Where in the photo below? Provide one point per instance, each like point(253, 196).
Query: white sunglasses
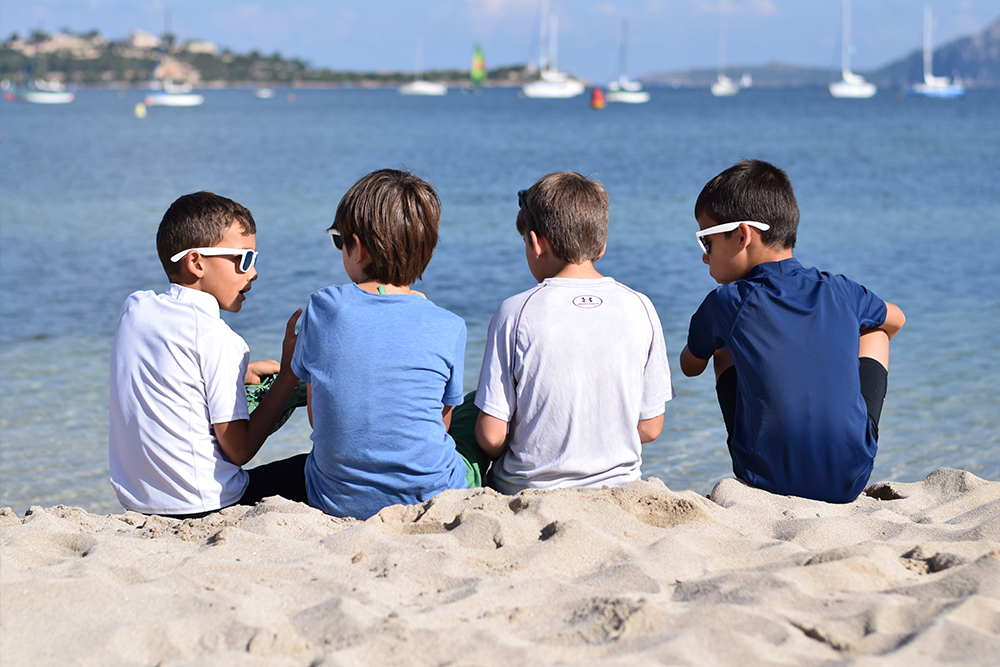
point(247, 257)
point(706, 246)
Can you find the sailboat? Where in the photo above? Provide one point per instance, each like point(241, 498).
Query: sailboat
point(934, 86)
point(418, 86)
point(37, 91)
point(168, 93)
point(623, 90)
point(723, 86)
point(477, 71)
point(851, 85)
point(552, 83)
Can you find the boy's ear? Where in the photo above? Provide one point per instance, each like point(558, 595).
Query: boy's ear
point(191, 267)
point(360, 253)
point(745, 236)
point(539, 244)
point(603, 250)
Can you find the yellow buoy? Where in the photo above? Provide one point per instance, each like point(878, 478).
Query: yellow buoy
point(140, 110)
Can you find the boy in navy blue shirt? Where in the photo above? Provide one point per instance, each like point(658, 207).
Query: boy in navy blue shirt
point(800, 356)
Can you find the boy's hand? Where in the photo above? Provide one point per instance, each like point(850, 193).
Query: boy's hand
point(288, 344)
point(256, 370)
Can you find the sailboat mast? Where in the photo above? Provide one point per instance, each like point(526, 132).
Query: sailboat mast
point(845, 46)
point(554, 42)
point(722, 44)
point(623, 54)
point(543, 36)
point(928, 48)
point(420, 58)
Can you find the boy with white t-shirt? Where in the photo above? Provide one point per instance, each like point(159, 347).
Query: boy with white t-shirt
point(575, 375)
point(180, 429)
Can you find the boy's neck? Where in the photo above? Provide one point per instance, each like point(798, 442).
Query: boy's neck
point(582, 271)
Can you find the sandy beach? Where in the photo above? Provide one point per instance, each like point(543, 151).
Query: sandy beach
point(908, 574)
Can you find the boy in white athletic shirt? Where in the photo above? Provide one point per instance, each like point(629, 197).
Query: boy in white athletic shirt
point(575, 375)
point(180, 428)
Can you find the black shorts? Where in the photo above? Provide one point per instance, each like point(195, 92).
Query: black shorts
point(874, 380)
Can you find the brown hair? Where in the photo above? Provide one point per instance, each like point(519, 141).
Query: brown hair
point(198, 220)
point(395, 215)
point(753, 190)
point(571, 211)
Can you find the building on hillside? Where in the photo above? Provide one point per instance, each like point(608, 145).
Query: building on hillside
point(200, 46)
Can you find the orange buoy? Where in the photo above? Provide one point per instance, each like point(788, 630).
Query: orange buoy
point(597, 99)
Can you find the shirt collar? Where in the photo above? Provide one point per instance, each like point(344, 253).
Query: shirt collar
point(201, 300)
point(784, 267)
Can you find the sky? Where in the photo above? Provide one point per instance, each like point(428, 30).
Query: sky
point(372, 35)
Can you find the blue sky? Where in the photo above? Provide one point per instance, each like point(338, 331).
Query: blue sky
point(382, 34)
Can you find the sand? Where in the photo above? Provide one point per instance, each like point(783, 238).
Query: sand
point(908, 574)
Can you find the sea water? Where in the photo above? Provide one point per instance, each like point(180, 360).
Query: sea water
point(901, 195)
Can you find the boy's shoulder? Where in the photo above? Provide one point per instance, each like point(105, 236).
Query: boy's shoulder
point(555, 298)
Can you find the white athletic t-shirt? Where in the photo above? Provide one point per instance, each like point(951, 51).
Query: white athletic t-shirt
point(176, 369)
point(573, 365)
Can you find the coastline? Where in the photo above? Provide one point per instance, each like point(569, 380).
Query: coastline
point(909, 573)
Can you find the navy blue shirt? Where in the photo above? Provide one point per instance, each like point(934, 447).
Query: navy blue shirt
point(801, 425)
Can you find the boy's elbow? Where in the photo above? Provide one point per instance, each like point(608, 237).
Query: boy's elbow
point(650, 429)
point(691, 365)
point(894, 319)
point(491, 435)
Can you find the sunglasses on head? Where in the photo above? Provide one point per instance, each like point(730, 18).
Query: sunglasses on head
point(522, 202)
point(706, 244)
point(336, 239)
point(247, 257)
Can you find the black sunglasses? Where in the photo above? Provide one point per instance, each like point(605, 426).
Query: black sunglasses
point(336, 239)
point(522, 202)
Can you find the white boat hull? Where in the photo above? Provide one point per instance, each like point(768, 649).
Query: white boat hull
point(425, 88)
point(627, 96)
point(43, 96)
point(853, 89)
point(725, 87)
point(553, 90)
point(174, 100)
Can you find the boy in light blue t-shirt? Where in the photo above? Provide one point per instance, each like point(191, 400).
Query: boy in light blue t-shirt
point(383, 364)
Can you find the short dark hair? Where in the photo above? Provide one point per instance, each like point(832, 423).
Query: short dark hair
point(396, 216)
point(571, 211)
point(198, 220)
point(753, 190)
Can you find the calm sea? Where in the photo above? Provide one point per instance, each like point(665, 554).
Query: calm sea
point(902, 195)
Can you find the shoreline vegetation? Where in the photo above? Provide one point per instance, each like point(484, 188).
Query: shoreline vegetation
point(88, 60)
point(907, 574)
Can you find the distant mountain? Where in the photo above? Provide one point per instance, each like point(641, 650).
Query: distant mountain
point(976, 59)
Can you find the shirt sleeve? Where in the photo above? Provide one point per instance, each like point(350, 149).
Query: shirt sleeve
point(302, 344)
point(223, 358)
point(657, 387)
point(497, 393)
point(454, 390)
point(871, 309)
point(704, 332)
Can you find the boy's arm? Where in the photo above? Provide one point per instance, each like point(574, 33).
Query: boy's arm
point(240, 440)
point(491, 435)
point(894, 320)
point(692, 365)
point(649, 429)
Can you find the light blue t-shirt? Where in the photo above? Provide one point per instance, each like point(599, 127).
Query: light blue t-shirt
point(381, 368)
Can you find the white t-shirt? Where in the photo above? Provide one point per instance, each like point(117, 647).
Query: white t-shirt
point(573, 365)
point(176, 369)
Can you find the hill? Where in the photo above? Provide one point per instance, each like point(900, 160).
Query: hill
point(976, 59)
point(89, 59)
